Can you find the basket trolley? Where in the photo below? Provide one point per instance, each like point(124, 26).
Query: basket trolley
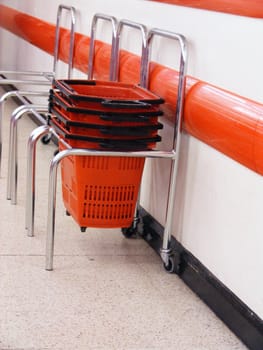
point(123, 175)
point(28, 107)
point(117, 184)
point(169, 257)
point(116, 34)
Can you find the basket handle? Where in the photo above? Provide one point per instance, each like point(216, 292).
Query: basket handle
point(130, 131)
point(123, 132)
point(129, 146)
point(125, 104)
point(123, 118)
point(129, 143)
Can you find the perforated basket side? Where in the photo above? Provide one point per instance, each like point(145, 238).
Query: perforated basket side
point(101, 191)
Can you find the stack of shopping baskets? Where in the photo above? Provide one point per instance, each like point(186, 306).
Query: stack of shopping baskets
point(101, 191)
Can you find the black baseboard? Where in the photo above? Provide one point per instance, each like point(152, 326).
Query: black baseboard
point(242, 321)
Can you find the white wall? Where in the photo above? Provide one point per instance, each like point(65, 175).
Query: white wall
point(219, 202)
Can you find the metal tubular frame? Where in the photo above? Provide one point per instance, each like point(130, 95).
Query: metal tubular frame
point(12, 155)
point(166, 251)
point(116, 34)
point(72, 11)
point(53, 187)
point(21, 96)
point(143, 30)
point(28, 108)
point(48, 75)
point(31, 168)
point(114, 23)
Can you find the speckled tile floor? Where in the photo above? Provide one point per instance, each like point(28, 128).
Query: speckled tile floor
point(106, 292)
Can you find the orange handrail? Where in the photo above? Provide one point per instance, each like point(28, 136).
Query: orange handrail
point(230, 123)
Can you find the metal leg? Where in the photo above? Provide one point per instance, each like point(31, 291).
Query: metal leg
point(12, 159)
point(2, 100)
point(52, 208)
point(171, 263)
point(31, 167)
point(136, 214)
point(133, 230)
point(21, 96)
point(13, 164)
point(165, 251)
point(18, 112)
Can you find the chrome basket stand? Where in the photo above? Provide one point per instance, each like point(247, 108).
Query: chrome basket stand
point(42, 131)
point(169, 257)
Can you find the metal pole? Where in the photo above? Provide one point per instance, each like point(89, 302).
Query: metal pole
point(165, 250)
point(12, 159)
point(21, 96)
point(113, 22)
point(31, 165)
point(72, 11)
point(143, 31)
point(52, 209)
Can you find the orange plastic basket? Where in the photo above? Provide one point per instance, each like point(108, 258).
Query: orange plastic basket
point(105, 131)
point(103, 143)
point(107, 95)
point(103, 116)
point(101, 191)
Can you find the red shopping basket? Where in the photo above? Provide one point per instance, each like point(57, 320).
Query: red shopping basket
point(102, 143)
point(101, 191)
point(100, 116)
point(108, 95)
point(105, 131)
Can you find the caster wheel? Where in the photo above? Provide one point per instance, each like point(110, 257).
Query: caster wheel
point(83, 229)
point(68, 213)
point(56, 152)
point(46, 139)
point(129, 232)
point(173, 265)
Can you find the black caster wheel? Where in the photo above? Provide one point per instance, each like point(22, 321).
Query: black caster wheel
point(46, 139)
point(68, 213)
point(56, 152)
point(129, 232)
point(173, 265)
point(83, 229)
